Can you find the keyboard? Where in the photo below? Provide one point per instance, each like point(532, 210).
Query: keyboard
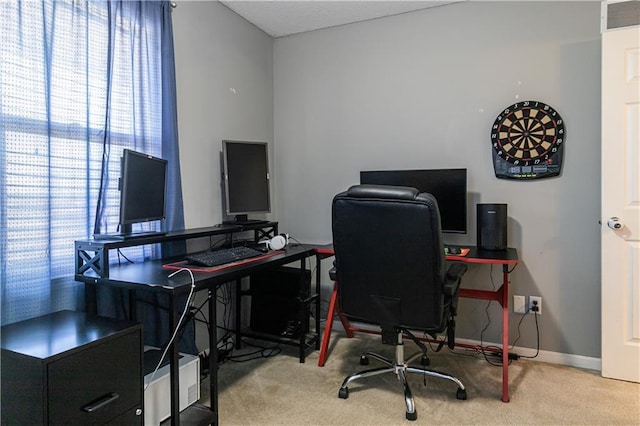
point(222, 256)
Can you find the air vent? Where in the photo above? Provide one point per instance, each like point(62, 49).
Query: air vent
point(620, 14)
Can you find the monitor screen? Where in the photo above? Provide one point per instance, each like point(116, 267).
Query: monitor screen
point(143, 187)
point(449, 186)
point(246, 178)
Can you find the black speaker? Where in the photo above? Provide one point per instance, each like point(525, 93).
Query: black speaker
point(275, 301)
point(492, 226)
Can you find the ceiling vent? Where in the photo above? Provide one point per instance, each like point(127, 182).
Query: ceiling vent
point(619, 14)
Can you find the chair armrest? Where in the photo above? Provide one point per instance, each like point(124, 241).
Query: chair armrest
point(452, 280)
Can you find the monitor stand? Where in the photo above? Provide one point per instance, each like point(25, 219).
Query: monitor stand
point(243, 219)
point(127, 234)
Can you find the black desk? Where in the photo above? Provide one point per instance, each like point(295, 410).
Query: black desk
point(151, 277)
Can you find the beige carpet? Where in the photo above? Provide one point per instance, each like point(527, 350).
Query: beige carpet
point(281, 391)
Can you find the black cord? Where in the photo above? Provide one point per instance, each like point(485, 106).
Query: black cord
point(120, 253)
point(483, 350)
point(262, 352)
point(291, 238)
point(535, 316)
point(198, 310)
point(215, 244)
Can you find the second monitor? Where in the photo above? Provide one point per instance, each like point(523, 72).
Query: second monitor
point(449, 186)
point(246, 179)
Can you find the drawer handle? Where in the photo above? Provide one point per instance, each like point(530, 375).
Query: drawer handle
point(107, 399)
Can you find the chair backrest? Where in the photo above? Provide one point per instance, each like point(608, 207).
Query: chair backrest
point(390, 261)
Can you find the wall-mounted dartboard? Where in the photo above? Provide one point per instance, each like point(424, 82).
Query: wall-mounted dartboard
point(527, 139)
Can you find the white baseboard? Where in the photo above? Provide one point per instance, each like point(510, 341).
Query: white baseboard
point(569, 360)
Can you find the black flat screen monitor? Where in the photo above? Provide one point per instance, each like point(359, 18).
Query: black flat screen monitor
point(246, 179)
point(449, 186)
point(143, 188)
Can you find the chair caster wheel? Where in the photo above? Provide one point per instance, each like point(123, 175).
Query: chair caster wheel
point(364, 360)
point(343, 393)
point(412, 416)
point(461, 394)
point(425, 361)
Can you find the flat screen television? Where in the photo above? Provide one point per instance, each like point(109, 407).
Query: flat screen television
point(448, 186)
point(143, 185)
point(246, 179)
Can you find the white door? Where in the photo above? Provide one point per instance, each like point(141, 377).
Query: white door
point(621, 199)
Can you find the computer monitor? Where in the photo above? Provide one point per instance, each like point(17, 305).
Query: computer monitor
point(448, 186)
point(142, 185)
point(143, 188)
point(246, 179)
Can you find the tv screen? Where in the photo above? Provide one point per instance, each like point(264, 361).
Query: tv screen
point(246, 178)
point(449, 186)
point(143, 188)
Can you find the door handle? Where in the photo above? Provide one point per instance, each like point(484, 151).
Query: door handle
point(614, 223)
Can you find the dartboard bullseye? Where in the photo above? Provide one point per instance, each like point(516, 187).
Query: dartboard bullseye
point(527, 139)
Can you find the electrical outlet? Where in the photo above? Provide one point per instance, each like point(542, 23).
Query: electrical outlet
point(537, 299)
point(518, 304)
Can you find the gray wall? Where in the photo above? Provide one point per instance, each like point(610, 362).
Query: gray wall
point(224, 72)
point(421, 90)
point(418, 90)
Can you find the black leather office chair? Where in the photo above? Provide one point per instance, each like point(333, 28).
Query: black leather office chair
point(391, 271)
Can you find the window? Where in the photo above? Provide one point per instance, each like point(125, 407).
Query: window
point(79, 82)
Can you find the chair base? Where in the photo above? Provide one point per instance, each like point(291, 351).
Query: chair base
point(400, 368)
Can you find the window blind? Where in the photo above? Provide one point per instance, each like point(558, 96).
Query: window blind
point(79, 82)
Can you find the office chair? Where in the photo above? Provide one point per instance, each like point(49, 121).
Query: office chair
point(391, 272)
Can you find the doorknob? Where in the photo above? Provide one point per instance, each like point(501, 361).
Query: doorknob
point(614, 223)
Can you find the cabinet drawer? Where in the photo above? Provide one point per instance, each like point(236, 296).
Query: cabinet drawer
point(96, 385)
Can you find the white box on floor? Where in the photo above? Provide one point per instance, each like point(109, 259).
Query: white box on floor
point(157, 395)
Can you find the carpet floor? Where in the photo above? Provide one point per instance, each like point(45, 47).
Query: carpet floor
point(280, 390)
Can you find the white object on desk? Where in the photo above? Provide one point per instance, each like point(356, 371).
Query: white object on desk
point(157, 394)
point(277, 243)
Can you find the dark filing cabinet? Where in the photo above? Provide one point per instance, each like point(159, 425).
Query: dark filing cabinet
point(70, 368)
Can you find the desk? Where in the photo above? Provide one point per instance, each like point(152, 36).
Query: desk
point(150, 276)
point(505, 258)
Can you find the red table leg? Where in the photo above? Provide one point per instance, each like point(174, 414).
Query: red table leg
point(328, 325)
point(505, 333)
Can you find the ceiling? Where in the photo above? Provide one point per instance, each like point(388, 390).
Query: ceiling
point(282, 18)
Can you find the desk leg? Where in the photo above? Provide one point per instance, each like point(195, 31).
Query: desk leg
point(238, 328)
point(213, 355)
point(327, 326)
point(91, 298)
point(173, 362)
point(334, 309)
point(303, 313)
point(133, 305)
point(505, 333)
point(318, 307)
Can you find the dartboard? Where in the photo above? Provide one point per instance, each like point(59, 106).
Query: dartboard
point(527, 139)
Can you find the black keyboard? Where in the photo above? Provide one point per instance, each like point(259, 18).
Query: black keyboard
point(222, 256)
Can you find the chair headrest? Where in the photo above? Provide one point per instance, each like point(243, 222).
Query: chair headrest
point(383, 191)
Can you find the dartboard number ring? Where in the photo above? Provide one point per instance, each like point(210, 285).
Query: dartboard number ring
point(528, 139)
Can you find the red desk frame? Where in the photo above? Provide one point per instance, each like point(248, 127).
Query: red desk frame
point(505, 258)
